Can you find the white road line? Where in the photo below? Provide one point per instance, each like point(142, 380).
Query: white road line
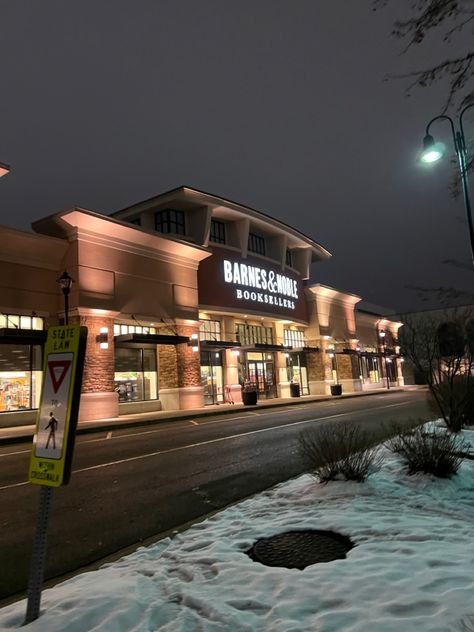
point(109, 435)
point(206, 423)
point(185, 447)
point(201, 443)
point(195, 423)
point(14, 485)
point(13, 453)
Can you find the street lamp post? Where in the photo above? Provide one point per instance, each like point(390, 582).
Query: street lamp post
point(432, 152)
point(65, 283)
point(384, 345)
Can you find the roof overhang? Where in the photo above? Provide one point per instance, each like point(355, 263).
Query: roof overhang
point(152, 339)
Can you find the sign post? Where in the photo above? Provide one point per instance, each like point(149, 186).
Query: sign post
point(53, 442)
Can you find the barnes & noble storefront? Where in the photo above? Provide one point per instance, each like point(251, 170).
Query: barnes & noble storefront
point(255, 336)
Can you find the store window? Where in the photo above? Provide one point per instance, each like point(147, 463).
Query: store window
point(256, 244)
point(132, 329)
point(209, 330)
point(212, 377)
point(289, 258)
point(252, 334)
point(294, 338)
point(170, 221)
point(370, 369)
point(217, 234)
point(135, 374)
point(20, 377)
point(297, 371)
point(15, 321)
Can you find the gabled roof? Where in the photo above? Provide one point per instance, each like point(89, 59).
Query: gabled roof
point(187, 198)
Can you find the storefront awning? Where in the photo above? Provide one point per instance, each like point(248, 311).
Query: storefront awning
point(213, 345)
point(22, 336)
point(152, 339)
point(260, 346)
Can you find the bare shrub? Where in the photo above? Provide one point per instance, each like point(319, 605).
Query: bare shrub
point(341, 451)
point(431, 451)
point(457, 396)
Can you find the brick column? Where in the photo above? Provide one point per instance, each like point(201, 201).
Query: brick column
point(99, 399)
point(191, 393)
point(315, 366)
point(168, 390)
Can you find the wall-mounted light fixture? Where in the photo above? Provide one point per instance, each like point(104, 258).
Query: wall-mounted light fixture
point(235, 352)
point(194, 342)
point(103, 338)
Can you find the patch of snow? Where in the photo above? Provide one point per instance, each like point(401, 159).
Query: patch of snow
point(412, 567)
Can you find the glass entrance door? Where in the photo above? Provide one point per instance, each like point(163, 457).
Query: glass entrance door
point(261, 372)
point(212, 378)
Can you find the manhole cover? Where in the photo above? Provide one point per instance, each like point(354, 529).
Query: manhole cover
point(299, 549)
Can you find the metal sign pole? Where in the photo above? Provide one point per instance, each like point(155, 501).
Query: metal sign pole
point(38, 557)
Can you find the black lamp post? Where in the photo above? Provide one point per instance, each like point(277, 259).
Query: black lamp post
point(65, 283)
point(432, 152)
point(384, 346)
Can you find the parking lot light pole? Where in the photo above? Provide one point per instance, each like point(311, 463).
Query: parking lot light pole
point(433, 151)
point(384, 346)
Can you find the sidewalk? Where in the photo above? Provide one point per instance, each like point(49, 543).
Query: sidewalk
point(17, 434)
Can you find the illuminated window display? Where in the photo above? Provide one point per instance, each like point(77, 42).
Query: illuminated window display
point(20, 377)
point(297, 370)
point(135, 374)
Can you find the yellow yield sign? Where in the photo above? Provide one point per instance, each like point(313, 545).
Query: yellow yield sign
point(53, 443)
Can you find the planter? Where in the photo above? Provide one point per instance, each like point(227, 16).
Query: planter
point(336, 389)
point(294, 390)
point(249, 398)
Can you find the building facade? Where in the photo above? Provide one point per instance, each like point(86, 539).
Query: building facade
point(187, 298)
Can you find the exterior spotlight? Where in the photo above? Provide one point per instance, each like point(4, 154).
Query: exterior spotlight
point(235, 352)
point(102, 338)
point(432, 152)
point(194, 342)
point(382, 334)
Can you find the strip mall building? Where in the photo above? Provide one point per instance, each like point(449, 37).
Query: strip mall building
point(187, 297)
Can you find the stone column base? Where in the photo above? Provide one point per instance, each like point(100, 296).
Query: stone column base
point(98, 406)
point(318, 388)
point(169, 398)
point(191, 397)
point(284, 390)
point(351, 385)
point(235, 393)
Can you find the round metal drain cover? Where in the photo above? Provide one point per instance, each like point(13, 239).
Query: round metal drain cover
point(299, 549)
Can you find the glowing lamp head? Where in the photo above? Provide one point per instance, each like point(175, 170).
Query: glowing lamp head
point(432, 152)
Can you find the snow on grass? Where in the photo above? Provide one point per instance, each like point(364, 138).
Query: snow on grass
point(412, 568)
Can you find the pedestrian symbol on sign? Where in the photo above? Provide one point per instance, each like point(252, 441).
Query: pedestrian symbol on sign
point(52, 425)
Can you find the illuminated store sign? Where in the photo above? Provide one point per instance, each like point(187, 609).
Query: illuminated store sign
point(266, 286)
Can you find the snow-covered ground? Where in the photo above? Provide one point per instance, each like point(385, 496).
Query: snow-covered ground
point(412, 568)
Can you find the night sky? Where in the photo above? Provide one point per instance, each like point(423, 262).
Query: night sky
point(278, 105)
